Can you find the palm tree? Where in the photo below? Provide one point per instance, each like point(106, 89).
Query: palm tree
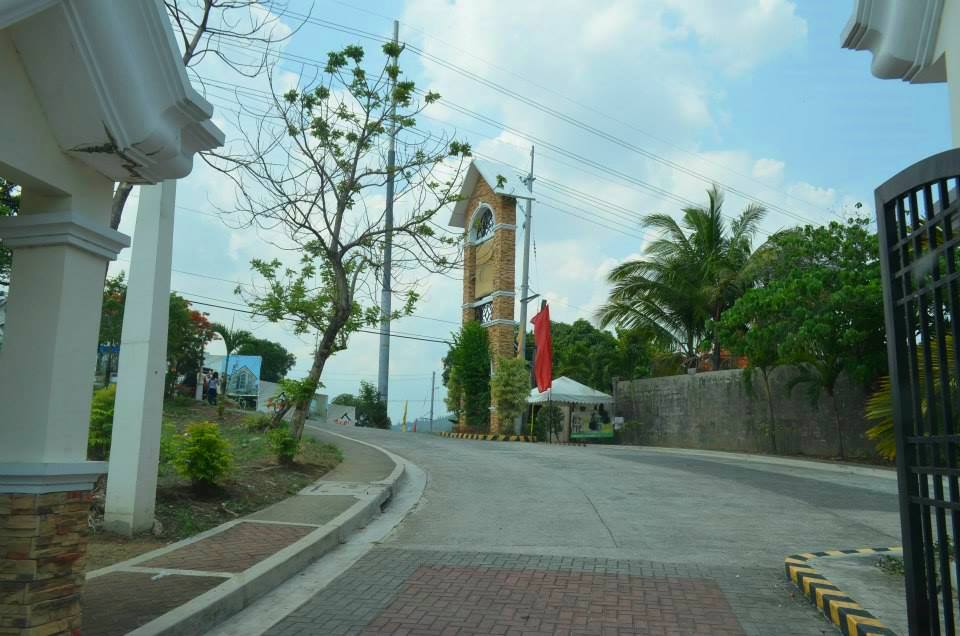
point(233, 339)
point(690, 273)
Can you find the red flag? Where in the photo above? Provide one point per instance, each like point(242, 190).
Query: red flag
point(543, 363)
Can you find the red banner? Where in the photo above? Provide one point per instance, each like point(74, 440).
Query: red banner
point(543, 363)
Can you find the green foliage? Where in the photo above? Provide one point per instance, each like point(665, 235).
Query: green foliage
point(468, 382)
point(168, 442)
point(345, 399)
point(283, 444)
point(318, 155)
point(510, 387)
point(101, 422)
point(548, 422)
point(188, 332)
point(370, 409)
point(258, 423)
point(879, 408)
point(277, 361)
point(203, 455)
point(819, 307)
point(694, 270)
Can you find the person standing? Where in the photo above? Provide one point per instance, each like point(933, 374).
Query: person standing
point(212, 385)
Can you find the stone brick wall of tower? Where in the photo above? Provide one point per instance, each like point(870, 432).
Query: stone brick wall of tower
point(504, 244)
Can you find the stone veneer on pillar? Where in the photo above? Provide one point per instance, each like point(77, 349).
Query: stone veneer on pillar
point(59, 260)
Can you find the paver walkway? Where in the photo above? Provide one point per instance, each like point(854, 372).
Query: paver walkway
point(125, 596)
point(431, 593)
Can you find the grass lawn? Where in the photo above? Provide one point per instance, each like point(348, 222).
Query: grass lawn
point(255, 482)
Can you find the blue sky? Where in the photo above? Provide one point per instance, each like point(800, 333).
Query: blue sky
point(756, 95)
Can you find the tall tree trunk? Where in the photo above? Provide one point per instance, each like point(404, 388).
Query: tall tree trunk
point(770, 421)
point(119, 200)
point(302, 407)
point(836, 416)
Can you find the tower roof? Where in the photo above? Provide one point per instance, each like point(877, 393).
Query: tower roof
point(489, 171)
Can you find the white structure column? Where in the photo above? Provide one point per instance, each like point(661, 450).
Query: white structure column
point(135, 448)
point(49, 352)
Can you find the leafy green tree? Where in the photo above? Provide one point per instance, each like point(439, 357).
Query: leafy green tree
point(825, 295)
point(314, 166)
point(370, 408)
point(510, 387)
point(753, 328)
point(277, 361)
point(345, 399)
point(188, 333)
point(9, 206)
point(468, 382)
point(689, 274)
point(111, 319)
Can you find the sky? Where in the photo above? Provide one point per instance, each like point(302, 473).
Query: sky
point(638, 107)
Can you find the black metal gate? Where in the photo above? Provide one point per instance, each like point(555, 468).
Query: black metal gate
point(918, 219)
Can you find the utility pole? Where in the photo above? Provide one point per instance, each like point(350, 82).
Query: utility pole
point(525, 273)
point(433, 381)
point(385, 294)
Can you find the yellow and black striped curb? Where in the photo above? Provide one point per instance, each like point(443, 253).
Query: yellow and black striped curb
point(490, 438)
point(849, 617)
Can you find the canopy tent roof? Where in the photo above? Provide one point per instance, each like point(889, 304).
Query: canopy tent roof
point(566, 390)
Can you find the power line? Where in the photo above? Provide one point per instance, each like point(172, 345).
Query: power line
point(612, 138)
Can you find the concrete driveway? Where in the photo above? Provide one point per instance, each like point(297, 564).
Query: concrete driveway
point(514, 538)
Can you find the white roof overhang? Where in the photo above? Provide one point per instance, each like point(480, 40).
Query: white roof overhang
point(902, 35)
point(112, 86)
point(512, 186)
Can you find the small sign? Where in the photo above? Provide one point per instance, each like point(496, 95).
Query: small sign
point(618, 423)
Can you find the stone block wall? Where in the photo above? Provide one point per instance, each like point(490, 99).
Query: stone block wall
point(42, 556)
point(715, 411)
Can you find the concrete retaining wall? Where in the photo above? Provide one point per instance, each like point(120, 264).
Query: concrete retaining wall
point(714, 411)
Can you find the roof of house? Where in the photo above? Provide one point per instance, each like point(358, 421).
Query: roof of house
point(488, 171)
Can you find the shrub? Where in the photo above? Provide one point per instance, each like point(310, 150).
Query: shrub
point(203, 455)
point(101, 422)
point(168, 442)
point(283, 444)
point(257, 423)
point(548, 422)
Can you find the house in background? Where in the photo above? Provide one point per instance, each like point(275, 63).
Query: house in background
point(243, 382)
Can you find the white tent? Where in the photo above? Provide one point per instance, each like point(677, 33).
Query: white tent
point(568, 391)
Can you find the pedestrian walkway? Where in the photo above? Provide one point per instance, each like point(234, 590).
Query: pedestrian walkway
point(393, 591)
point(190, 585)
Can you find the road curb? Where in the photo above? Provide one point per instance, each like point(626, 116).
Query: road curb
point(241, 589)
point(841, 610)
point(489, 438)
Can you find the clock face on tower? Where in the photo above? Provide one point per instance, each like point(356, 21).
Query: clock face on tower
point(485, 267)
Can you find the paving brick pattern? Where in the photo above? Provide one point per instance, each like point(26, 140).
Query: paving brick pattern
point(233, 550)
point(425, 593)
point(480, 601)
point(119, 602)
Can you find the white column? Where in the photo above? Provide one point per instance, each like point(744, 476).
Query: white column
point(135, 447)
point(50, 346)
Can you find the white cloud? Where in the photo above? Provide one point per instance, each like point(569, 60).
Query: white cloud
point(770, 170)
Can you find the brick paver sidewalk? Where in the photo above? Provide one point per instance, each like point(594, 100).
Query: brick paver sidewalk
point(131, 594)
point(423, 593)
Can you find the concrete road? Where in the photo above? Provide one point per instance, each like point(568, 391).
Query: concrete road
point(671, 542)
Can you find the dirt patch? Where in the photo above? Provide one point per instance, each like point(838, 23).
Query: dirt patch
point(256, 481)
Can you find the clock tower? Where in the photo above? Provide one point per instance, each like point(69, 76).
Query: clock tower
point(487, 212)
